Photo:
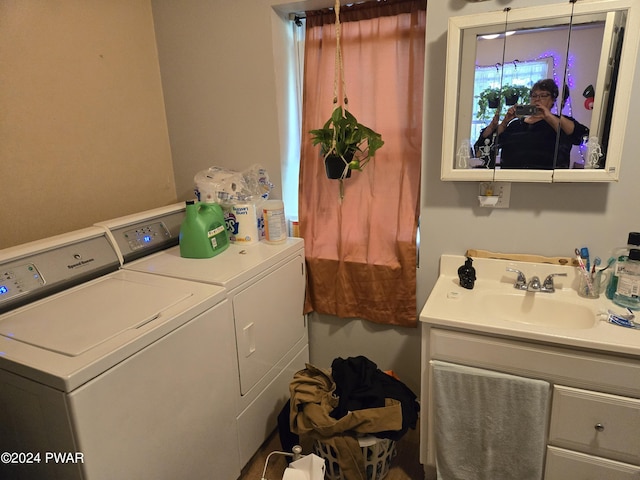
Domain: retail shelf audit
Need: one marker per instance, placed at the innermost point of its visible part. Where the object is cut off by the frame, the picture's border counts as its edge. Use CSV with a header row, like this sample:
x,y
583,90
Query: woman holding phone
x,y
529,140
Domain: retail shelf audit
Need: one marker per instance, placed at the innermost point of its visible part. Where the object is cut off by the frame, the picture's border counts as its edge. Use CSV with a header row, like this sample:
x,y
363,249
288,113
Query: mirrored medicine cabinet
x,y
589,49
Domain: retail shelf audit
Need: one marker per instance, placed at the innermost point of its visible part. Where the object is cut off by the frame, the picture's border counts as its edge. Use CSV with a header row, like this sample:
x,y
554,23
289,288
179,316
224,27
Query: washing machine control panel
x,y
147,236
19,280
46,268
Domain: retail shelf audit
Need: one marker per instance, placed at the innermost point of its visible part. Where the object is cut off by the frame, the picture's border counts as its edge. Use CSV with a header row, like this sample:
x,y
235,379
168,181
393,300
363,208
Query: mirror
x,y
588,50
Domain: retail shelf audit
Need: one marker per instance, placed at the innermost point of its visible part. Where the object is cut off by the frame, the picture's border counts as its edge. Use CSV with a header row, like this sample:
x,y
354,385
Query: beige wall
x,y
83,135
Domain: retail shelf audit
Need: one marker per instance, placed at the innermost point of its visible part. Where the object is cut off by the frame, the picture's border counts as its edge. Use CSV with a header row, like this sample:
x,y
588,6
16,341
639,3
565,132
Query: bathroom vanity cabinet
x,y
595,411
593,429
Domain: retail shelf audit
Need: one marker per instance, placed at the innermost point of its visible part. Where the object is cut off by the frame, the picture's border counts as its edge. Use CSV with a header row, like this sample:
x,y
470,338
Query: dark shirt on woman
x,y
532,145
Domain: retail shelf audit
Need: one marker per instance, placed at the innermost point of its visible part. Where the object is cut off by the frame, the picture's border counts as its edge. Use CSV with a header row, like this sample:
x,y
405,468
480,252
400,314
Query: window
x,y
291,167
513,73
360,234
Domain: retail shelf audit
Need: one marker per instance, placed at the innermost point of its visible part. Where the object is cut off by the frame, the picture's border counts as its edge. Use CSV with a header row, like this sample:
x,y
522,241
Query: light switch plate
x,y
500,189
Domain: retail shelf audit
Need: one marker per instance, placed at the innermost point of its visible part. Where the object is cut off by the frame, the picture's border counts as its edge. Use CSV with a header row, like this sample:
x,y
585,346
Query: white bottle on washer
x,y
275,228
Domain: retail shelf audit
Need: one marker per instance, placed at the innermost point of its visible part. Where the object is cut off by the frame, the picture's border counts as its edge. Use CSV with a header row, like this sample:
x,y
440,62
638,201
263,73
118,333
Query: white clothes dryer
x,y
265,286
108,373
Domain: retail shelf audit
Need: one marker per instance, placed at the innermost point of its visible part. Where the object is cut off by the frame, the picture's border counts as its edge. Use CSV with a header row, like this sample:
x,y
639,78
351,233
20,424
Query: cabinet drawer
x,y
563,366
564,465
596,423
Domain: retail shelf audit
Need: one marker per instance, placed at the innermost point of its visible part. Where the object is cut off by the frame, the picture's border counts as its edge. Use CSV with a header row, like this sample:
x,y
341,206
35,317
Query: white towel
x,y
489,425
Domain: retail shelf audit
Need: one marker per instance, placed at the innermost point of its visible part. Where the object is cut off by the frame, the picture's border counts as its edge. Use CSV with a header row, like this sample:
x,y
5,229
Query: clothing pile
x,y
353,398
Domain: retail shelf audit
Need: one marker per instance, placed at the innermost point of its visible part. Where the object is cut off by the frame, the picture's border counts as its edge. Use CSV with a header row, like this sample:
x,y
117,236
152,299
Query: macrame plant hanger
x,y
339,77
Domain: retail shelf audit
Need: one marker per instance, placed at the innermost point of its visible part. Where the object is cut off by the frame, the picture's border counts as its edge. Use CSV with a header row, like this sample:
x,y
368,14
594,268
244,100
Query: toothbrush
x,y
610,262
584,271
596,262
584,254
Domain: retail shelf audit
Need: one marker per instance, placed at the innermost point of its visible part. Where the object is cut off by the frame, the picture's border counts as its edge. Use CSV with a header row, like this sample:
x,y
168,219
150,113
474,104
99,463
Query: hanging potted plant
x,y
510,94
524,93
488,98
345,144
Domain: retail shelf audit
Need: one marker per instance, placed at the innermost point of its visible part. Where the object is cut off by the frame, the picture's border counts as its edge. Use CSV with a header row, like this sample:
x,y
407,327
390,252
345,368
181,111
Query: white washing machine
x,y
108,373
265,286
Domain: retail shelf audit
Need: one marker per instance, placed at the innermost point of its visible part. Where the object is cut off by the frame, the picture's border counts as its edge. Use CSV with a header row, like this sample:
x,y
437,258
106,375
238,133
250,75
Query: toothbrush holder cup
x,y
599,281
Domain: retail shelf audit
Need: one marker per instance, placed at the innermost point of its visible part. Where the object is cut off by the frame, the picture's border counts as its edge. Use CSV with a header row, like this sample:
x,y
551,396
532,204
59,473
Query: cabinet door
x,y
596,423
479,417
567,465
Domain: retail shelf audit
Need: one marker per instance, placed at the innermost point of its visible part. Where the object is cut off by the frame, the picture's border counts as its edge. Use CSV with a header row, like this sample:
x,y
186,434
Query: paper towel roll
x,y
293,474
242,223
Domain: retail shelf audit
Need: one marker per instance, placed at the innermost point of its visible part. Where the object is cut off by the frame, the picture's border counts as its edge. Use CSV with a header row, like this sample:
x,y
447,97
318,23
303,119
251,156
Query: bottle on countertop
x,y
203,233
627,292
467,274
275,228
620,254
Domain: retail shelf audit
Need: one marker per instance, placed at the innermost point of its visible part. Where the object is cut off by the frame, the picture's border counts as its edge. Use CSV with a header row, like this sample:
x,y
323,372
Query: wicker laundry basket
x,y
377,454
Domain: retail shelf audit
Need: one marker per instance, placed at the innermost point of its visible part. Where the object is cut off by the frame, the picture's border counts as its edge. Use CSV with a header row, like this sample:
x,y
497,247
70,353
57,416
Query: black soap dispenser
x,y
467,274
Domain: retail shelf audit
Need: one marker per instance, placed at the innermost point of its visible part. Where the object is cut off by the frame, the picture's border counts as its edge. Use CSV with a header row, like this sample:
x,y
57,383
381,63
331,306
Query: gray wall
x,y
548,219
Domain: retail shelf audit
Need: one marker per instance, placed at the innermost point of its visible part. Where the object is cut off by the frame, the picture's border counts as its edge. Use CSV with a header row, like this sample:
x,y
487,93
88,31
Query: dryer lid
x,y
233,267
84,317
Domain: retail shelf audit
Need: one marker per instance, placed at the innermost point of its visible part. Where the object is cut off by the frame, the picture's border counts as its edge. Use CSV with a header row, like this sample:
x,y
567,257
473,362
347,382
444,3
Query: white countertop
x,y
450,305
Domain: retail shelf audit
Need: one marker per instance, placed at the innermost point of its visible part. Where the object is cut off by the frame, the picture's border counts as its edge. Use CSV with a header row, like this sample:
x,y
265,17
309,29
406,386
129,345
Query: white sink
x,y
539,309
494,307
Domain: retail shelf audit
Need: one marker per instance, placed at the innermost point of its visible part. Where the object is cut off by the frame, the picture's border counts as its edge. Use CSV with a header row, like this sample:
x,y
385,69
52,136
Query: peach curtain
x,y
361,251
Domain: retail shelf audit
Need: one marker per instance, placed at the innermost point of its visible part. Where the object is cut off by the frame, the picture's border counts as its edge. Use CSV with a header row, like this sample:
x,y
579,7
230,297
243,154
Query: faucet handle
x,y
534,285
548,282
521,281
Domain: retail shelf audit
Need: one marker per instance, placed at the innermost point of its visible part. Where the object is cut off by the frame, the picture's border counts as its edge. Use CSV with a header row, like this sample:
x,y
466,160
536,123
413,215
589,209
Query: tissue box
x,y
309,467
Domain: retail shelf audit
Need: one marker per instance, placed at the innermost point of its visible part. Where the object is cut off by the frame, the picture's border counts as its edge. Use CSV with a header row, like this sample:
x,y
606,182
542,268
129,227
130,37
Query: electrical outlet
x,y
490,189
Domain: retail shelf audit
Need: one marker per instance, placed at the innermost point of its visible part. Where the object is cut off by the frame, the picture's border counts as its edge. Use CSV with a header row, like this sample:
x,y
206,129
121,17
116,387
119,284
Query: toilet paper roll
x,y
293,474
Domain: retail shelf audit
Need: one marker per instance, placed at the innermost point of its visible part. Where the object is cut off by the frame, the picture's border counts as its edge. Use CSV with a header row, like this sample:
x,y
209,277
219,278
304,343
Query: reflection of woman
x,y
530,142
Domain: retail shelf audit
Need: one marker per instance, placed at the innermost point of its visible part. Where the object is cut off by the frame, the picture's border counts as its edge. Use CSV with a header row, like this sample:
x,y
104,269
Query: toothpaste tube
x,y
621,321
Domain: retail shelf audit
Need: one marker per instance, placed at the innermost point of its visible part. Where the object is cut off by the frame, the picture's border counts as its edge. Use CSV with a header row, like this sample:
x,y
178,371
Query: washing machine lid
x,y
229,269
41,268
71,337
74,323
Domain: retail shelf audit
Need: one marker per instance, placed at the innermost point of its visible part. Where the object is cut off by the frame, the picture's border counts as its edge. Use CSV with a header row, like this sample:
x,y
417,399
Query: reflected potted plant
x,y
345,144
513,93
488,98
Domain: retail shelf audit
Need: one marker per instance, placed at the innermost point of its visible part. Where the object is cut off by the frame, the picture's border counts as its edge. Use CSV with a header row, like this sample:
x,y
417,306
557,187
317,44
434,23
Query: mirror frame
x,y
496,19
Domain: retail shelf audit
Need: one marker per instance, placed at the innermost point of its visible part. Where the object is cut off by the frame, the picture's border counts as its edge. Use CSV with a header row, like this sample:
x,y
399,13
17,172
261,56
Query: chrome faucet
x,y
534,285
